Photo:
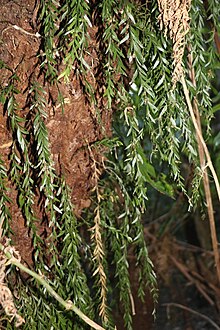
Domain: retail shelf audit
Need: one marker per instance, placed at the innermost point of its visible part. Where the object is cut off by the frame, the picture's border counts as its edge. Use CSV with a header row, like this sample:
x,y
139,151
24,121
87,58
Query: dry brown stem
x,y
203,152
198,132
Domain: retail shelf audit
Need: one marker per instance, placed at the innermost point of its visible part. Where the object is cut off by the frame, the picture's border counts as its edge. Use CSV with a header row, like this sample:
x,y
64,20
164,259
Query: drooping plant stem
x,y
68,305
204,153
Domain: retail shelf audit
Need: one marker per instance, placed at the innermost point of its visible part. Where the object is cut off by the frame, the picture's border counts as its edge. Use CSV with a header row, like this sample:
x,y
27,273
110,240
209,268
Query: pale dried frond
x,y
174,19
6,297
98,257
98,254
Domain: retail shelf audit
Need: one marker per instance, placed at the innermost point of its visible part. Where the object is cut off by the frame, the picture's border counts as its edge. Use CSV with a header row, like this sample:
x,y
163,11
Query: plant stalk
x,y
206,151
203,152
66,304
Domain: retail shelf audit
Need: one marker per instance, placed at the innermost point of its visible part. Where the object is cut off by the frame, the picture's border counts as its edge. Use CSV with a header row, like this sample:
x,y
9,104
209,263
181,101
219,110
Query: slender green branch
x,y
66,304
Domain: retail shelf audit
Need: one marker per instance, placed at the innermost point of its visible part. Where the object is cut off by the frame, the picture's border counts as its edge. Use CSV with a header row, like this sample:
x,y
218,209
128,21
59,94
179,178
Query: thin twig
x,y
193,312
18,28
67,304
133,312
190,247
198,285
208,283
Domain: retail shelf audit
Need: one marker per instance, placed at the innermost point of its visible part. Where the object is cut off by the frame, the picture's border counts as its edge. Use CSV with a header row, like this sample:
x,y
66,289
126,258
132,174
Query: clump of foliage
x,y
142,72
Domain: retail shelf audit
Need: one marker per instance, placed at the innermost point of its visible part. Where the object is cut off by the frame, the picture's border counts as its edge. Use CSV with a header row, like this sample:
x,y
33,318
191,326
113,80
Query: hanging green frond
x,y
5,215
49,18
69,269
20,163
73,37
